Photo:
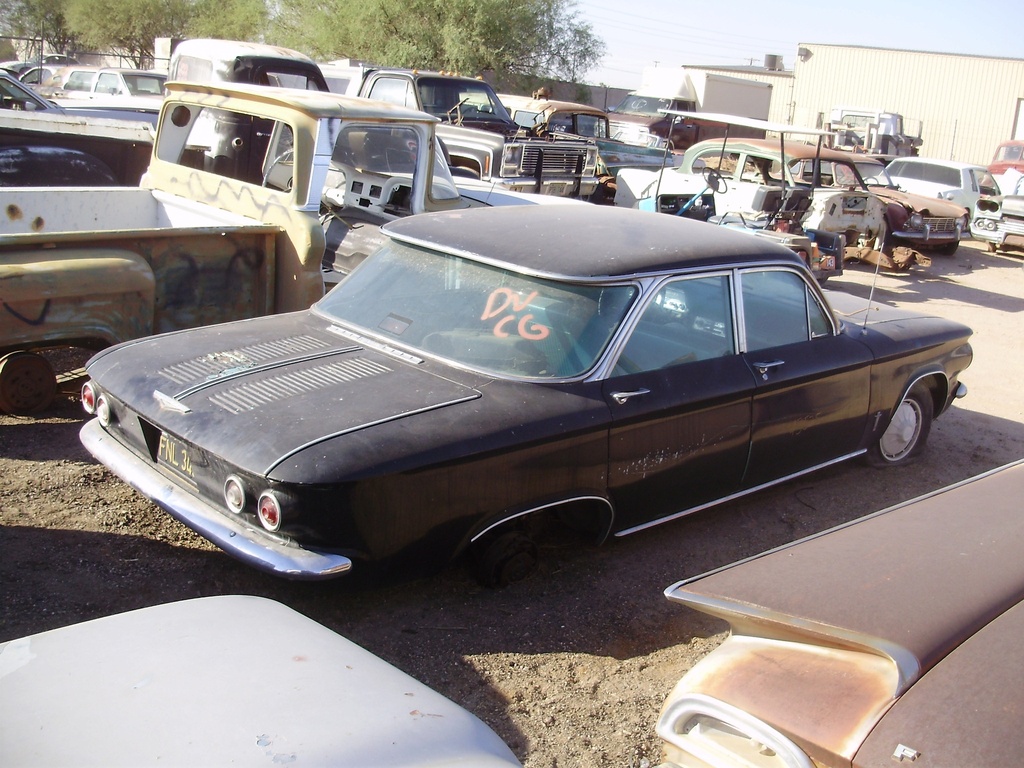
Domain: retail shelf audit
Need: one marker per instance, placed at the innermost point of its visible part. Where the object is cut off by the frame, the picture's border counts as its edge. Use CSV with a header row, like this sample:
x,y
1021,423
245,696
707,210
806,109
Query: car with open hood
x,y
490,371
891,640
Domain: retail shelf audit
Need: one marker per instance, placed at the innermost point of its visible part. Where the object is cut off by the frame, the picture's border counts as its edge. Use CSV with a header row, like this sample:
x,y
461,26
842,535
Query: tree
x,y
129,27
229,19
518,39
44,20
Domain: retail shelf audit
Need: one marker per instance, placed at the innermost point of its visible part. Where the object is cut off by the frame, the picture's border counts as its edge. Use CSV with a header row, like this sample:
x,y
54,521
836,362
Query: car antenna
x,y
871,295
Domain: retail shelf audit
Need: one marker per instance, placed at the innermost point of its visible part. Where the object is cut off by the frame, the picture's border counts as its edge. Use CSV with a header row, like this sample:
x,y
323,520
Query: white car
x,y
961,183
229,680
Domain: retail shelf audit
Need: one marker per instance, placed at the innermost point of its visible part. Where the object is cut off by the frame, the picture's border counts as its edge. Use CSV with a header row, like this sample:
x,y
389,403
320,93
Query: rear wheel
x,y
907,432
507,558
27,383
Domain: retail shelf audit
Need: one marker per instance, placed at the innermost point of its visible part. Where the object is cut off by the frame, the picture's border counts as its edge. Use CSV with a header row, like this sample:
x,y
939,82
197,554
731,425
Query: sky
x,y
672,33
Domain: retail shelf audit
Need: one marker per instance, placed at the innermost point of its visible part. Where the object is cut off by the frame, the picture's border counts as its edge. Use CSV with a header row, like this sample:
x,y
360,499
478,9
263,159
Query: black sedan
x,y
490,369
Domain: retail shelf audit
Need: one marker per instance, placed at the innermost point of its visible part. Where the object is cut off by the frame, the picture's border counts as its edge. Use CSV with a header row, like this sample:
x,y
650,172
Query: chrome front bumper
x,y
249,544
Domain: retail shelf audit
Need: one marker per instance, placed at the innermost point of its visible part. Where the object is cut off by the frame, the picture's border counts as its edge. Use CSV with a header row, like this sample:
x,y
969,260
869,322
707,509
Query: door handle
x,y
763,368
622,397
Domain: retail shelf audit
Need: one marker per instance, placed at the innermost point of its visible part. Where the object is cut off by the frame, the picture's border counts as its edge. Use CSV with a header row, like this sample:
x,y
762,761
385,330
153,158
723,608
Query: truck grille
x,y
554,159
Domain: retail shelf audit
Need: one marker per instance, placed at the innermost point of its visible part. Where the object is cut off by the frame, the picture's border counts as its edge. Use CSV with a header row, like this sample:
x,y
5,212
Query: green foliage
x,y
43,19
229,19
518,39
128,27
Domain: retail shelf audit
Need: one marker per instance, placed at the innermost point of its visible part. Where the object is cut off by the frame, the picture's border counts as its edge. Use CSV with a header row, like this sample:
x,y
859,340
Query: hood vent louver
x,y
216,363
248,395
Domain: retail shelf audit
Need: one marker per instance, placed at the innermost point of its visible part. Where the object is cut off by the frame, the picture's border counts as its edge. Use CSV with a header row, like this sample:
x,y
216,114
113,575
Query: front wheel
x,y
904,438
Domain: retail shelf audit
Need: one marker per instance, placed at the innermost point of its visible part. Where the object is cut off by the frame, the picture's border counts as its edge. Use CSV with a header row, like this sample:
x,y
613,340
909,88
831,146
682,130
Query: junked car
x,y
999,222
157,686
923,222
823,185
487,371
891,640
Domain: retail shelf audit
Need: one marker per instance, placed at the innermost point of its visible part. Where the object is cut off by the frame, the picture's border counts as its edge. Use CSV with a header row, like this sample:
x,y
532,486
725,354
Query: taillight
x,y
269,511
234,494
89,397
103,410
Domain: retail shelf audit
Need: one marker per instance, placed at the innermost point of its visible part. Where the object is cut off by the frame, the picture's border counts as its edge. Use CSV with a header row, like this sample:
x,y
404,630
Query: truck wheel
x,y
907,432
508,557
27,383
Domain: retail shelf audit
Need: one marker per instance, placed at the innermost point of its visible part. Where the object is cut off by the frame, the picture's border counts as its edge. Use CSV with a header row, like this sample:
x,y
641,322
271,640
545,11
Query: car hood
x,y
166,685
256,392
927,206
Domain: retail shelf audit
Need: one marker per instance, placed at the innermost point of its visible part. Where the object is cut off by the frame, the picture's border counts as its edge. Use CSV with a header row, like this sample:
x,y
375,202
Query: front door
x,y
680,399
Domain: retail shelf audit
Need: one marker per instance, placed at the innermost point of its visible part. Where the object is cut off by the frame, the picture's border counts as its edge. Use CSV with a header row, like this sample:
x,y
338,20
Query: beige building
x,y
962,106
966,105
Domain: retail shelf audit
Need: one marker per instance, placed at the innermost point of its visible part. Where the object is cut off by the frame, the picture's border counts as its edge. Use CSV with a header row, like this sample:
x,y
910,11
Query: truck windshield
x,y
642,105
443,96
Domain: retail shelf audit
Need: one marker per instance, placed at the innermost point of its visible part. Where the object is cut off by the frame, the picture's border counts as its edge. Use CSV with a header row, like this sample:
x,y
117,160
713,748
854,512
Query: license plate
x,y
174,454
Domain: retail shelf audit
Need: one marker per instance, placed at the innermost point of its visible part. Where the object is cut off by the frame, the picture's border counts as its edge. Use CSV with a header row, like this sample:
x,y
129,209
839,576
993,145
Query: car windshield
x,y
484,317
875,174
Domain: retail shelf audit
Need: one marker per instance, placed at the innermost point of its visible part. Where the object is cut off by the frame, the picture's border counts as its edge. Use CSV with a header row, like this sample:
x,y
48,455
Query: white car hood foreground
x,y
223,680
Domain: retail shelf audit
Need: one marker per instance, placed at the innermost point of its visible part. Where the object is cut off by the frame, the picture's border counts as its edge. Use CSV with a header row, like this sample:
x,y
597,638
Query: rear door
x,y
810,405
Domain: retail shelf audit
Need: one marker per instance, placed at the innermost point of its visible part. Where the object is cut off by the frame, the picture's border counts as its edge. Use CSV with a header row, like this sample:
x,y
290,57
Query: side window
x,y
779,308
393,90
686,321
107,83
227,143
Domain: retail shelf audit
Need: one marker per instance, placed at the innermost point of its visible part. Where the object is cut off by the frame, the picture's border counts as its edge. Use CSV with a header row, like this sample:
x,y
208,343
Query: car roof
x,y
932,161
586,242
316,103
798,150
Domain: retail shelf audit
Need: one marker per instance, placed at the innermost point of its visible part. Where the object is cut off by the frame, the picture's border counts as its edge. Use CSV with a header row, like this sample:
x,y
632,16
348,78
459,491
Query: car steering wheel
x,y
715,181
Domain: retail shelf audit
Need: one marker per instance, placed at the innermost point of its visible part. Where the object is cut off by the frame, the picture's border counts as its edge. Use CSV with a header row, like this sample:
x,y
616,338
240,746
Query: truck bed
x,y
71,214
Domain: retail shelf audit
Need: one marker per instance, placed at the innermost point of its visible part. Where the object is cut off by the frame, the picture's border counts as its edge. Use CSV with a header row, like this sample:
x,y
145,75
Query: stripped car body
x,y
822,186
893,639
490,364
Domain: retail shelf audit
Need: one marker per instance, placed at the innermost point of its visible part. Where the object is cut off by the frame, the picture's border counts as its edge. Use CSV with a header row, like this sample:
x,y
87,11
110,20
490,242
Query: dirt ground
x,y
570,666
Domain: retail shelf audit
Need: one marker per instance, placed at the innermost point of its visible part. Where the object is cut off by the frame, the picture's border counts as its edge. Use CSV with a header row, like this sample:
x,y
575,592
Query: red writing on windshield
x,y
505,300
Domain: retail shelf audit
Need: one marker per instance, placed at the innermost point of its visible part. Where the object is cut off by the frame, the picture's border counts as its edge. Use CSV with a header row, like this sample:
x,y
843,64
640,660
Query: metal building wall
x,y
966,104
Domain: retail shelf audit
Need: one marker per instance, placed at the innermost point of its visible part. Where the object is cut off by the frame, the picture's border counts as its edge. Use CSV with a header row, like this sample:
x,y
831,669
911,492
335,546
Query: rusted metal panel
x,y
49,296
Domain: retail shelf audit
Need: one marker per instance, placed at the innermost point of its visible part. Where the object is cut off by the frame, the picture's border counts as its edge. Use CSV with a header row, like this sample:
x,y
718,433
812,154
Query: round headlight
x,y
234,494
268,509
916,221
